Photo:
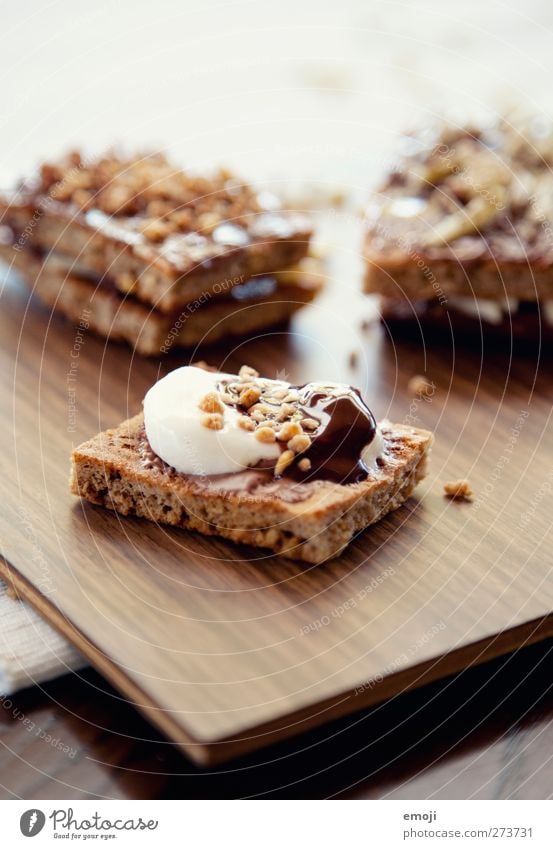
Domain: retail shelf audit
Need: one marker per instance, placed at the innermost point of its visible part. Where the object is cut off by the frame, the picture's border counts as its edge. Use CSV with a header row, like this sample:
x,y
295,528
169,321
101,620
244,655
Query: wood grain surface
x,y
226,649
486,733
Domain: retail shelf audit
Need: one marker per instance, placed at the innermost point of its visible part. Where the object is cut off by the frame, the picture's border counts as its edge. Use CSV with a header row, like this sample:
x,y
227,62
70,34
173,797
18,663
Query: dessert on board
x,y
158,256
296,469
460,233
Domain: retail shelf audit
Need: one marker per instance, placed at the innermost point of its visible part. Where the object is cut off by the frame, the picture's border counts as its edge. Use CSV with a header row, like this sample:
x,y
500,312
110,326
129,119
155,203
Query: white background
x,y
307,90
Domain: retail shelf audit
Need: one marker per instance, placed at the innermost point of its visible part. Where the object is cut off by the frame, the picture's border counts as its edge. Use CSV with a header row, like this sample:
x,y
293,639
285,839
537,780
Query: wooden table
x,y
486,734
227,651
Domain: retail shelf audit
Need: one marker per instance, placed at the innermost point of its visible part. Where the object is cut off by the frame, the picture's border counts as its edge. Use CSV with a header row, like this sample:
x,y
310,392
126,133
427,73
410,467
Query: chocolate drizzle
x,y
346,427
256,484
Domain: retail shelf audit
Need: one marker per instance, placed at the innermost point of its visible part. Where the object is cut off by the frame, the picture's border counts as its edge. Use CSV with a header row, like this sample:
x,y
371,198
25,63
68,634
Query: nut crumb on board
x,y
458,490
419,385
353,359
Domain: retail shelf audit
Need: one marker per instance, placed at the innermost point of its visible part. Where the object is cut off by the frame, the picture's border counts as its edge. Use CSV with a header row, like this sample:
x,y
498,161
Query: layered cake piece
x,y
155,253
461,232
295,469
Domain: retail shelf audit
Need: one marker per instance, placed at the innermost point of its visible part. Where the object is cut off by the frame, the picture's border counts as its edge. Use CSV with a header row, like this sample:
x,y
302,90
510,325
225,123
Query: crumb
x,y
353,359
458,490
419,385
366,324
304,464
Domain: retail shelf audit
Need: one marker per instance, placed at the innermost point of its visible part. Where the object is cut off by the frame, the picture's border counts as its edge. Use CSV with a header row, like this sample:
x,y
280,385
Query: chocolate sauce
x,y
256,484
346,426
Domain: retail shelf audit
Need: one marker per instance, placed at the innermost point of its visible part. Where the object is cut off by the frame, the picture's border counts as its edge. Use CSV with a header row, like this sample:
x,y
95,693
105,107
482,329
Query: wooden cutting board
x,y
224,648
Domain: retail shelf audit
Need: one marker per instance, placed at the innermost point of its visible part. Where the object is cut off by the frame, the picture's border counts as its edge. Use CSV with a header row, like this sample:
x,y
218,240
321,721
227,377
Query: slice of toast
x,y
247,308
311,521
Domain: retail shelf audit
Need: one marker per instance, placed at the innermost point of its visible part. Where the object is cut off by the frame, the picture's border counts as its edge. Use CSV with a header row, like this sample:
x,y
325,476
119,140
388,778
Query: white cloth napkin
x,y
30,650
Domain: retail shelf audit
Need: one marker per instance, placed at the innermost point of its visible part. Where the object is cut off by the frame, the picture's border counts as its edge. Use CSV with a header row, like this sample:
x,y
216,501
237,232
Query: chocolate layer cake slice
x,y
295,469
461,229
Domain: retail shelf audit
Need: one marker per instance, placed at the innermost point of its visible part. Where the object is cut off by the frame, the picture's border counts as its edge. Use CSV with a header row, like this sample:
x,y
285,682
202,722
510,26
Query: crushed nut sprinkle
x,y
265,434
249,396
257,415
246,423
286,459
483,189
213,421
291,398
156,230
261,409
271,411
300,443
165,198
286,411
247,373
289,430
211,403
